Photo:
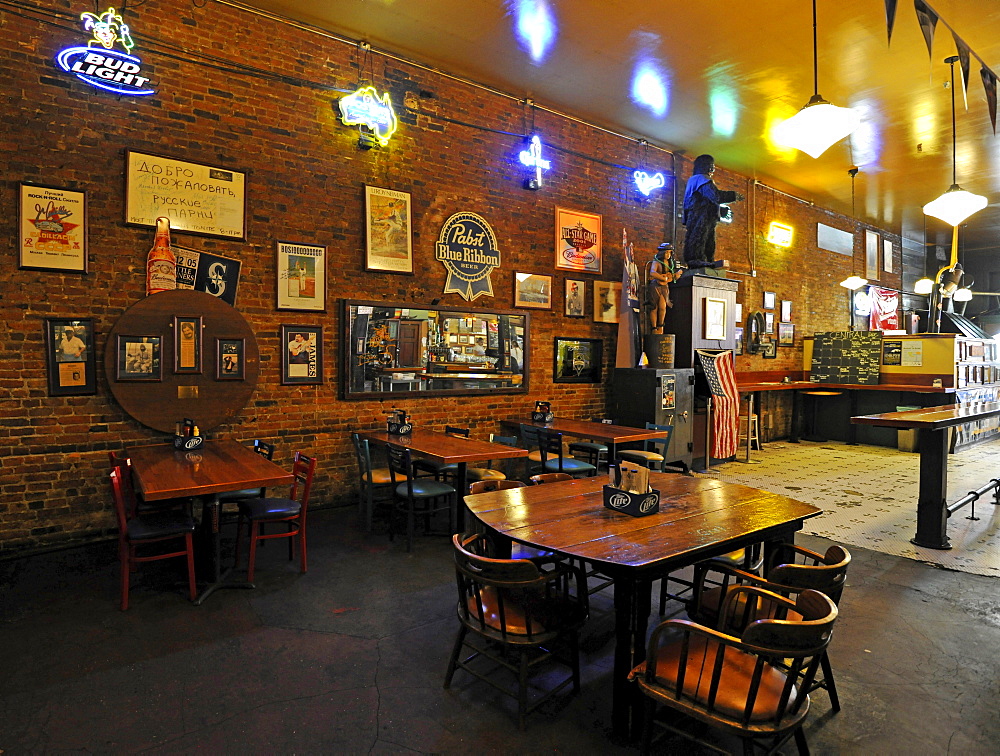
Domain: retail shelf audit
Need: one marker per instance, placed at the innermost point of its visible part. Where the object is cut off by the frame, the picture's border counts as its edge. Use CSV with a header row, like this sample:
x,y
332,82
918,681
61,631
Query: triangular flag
x,y
963,57
990,85
928,22
890,17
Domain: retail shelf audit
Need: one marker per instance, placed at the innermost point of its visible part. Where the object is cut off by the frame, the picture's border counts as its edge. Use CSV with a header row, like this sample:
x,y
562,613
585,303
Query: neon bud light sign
x,y
647,183
365,108
99,63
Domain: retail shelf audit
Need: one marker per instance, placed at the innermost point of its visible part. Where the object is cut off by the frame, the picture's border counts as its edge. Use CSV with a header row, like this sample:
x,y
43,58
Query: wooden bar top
x,y
614,434
809,385
441,447
932,418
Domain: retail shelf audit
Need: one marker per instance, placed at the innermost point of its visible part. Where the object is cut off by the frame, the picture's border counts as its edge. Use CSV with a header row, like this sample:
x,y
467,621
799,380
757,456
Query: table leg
x,y
211,515
852,429
932,511
632,606
793,435
462,488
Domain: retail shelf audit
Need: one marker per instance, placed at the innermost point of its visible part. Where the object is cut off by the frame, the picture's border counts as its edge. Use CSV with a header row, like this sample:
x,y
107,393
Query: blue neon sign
x,y
99,64
647,183
532,157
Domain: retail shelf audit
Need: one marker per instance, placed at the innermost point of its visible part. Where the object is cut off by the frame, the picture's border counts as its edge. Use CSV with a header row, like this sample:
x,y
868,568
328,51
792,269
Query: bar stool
x,y
754,432
813,434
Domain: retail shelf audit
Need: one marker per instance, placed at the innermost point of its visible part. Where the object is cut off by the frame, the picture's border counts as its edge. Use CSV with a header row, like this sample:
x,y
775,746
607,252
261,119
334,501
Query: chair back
x,y
651,444
400,467
529,436
541,478
303,469
550,444
123,465
505,440
363,455
118,497
263,448
485,486
805,637
827,575
452,430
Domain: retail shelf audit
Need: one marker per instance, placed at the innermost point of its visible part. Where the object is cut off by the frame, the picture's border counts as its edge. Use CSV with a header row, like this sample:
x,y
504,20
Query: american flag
x,y
720,372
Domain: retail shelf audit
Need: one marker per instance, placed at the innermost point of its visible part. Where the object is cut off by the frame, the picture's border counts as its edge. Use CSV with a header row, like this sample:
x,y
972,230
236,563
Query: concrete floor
x,y
350,658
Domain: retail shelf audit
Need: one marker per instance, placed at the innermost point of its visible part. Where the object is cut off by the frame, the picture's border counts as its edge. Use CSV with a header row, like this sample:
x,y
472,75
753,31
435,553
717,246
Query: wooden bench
x,y
932,424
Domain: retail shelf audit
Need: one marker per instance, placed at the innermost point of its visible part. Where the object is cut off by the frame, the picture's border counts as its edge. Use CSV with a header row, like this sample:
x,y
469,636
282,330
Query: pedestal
x,y
686,319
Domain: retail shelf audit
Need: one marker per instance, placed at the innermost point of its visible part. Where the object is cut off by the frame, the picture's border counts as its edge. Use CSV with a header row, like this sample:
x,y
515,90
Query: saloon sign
x,y
100,64
467,247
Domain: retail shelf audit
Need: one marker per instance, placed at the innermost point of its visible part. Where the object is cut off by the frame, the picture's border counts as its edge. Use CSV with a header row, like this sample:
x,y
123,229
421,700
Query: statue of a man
x,y
661,272
702,201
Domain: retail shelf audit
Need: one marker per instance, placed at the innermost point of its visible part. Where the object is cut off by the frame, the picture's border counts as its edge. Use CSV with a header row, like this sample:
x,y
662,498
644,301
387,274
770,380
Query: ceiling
x,y
730,73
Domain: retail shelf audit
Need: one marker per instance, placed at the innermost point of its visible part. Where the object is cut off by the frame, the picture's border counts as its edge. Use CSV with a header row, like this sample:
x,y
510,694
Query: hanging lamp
x,y
853,281
819,124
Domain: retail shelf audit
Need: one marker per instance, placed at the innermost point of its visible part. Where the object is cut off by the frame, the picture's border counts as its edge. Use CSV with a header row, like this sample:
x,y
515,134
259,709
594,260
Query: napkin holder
x,y
634,504
186,436
399,423
542,413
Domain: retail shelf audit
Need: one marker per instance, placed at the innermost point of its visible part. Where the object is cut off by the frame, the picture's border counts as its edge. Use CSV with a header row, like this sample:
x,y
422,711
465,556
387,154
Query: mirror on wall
x,y
394,348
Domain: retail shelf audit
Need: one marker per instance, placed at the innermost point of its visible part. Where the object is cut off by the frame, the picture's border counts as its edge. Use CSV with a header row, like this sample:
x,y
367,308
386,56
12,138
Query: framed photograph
x,y
576,297
768,322
607,295
786,310
301,277
786,334
871,255
53,229
69,356
715,318
389,231
187,344
463,338
532,290
578,241
738,334
577,360
219,194
769,349
139,358
769,300
470,350
301,354
229,357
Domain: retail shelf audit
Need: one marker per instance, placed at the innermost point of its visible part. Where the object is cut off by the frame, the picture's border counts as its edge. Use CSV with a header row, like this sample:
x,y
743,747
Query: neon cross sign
x,y
105,67
532,157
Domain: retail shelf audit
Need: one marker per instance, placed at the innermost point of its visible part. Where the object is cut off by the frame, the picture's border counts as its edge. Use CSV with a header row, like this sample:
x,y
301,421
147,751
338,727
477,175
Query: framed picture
x,y
577,360
769,349
576,294
470,350
786,334
769,299
607,295
219,194
301,354
578,241
301,277
715,318
139,358
52,225
69,356
229,357
532,290
463,338
768,322
187,344
786,310
211,273
738,335
389,231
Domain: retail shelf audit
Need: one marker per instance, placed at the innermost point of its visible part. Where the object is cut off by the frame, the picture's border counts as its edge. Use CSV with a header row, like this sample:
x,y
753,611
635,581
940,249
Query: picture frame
x,y
768,322
607,295
139,358
301,276
768,350
738,335
463,338
576,298
218,193
786,310
230,356
69,356
187,344
532,290
786,334
769,299
388,231
577,360
301,355
578,244
47,238
715,319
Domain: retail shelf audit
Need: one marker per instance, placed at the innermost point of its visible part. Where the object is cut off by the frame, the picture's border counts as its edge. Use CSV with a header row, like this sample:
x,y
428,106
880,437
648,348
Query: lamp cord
x,y
816,57
954,153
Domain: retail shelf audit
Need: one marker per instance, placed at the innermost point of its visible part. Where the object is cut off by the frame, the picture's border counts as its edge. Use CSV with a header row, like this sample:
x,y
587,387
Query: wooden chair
x,y
372,480
554,459
591,452
135,504
794,569
266,450
508,607
139,530
272,510
749,559
417,496
517,550
449,471
653,453
752,685
542,478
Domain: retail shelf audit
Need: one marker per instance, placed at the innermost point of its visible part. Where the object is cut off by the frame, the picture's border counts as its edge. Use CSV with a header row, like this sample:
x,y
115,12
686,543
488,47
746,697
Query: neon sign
x,y
365,108
106,67
532,157
647,183
780,234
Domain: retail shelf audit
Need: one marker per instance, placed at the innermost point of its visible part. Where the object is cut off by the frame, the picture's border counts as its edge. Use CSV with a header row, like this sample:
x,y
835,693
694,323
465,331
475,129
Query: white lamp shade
x,y
853,282
955,205
816,127
962,295
923,286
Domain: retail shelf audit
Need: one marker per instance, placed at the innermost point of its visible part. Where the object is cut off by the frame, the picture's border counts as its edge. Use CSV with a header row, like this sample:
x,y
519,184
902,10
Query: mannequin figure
x,y
662,271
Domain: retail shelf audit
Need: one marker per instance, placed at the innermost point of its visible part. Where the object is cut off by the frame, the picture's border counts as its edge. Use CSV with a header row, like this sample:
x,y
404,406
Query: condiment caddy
x,y
186,435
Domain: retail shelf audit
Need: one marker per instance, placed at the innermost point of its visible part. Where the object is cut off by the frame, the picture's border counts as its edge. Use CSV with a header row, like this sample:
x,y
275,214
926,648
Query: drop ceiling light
x,y
923,286
853,282
962,295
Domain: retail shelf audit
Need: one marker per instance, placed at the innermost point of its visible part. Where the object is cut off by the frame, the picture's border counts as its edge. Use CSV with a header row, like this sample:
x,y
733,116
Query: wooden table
x,y
699,518
161,472
612,435
932,424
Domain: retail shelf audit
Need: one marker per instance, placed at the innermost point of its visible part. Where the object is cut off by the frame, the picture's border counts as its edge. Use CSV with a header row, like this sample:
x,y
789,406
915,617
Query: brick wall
x,y
306,179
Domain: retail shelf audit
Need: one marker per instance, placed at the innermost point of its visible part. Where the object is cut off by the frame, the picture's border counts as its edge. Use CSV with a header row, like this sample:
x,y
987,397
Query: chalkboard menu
x,y
846,357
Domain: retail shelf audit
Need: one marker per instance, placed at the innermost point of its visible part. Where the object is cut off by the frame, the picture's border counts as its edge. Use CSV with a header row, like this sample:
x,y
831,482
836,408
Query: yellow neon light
x,y
780,234
108,28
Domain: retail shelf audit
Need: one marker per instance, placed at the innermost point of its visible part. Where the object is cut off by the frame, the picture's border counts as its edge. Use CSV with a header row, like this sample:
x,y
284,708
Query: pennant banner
x,y
990,85
720,372
928,22
890,17
963,58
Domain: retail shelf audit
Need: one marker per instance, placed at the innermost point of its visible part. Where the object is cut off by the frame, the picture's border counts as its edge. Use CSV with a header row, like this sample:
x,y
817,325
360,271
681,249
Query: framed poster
x,y
786,334
578,241
229,358
715,318
187,344
607,295
738,335
769,299
301,354
576,295
387,220
301,277
531,290
887,255
199,199
138,358
577,360
207,272
69,356
786,310
871,255
769,350
768,322
52,226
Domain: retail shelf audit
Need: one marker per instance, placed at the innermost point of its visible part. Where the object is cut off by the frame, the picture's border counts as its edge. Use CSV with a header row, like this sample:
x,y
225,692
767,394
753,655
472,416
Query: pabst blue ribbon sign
x,y
100,64
467,247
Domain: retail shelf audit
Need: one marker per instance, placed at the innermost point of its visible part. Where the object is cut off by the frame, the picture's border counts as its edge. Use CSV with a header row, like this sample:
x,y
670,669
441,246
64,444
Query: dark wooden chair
x,y
653,452
266,450
134,503
794,569
373,481
136,531
592,452
448,472
542,478
554,458
290,512
417,497
752,685
517,550
509,608
749,559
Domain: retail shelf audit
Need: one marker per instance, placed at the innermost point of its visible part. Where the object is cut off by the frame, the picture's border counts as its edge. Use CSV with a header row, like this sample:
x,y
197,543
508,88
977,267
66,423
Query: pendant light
x,y
956,204
819,124
853,281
